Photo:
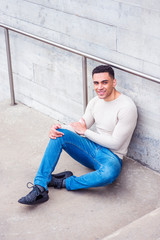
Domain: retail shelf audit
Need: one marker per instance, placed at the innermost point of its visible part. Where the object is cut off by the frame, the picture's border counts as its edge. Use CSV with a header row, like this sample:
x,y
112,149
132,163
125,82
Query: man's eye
x,y
105,83
95,83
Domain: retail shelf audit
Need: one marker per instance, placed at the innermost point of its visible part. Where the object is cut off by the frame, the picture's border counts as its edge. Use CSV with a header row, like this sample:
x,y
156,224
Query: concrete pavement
x,y
146,227
123,210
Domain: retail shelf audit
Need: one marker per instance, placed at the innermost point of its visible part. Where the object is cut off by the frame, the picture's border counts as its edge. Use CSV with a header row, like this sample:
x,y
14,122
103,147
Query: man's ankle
x,y
42,189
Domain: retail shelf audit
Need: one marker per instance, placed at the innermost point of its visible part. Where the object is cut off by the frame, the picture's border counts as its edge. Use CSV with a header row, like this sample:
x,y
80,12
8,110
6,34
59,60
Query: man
x,y
115,117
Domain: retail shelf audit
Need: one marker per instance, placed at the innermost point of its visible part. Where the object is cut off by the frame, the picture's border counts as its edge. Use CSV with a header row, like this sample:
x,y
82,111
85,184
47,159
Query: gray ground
x,y
127,209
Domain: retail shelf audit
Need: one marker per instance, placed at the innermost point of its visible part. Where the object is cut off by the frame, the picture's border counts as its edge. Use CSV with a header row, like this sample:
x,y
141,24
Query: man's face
x,y
104,85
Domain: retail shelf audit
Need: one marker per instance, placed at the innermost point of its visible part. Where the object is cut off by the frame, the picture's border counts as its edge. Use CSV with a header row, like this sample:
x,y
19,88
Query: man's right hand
x,y
53,133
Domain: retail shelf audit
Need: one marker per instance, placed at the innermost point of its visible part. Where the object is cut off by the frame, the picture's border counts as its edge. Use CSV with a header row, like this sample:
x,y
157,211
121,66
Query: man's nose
x,y
100,86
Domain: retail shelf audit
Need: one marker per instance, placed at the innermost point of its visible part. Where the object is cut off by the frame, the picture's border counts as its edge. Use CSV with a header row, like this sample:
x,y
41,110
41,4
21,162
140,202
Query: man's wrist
x,y
85,132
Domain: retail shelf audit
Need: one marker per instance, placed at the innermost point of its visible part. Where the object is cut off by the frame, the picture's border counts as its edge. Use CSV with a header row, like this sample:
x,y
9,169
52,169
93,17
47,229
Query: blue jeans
x,y
106,165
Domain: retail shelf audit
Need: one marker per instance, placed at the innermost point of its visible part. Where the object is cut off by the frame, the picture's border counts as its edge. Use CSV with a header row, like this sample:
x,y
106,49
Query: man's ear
x,y
114,82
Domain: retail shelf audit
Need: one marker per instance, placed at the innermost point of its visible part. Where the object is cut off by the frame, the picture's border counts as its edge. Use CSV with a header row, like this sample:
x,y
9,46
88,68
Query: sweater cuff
x,y
87,133
68,127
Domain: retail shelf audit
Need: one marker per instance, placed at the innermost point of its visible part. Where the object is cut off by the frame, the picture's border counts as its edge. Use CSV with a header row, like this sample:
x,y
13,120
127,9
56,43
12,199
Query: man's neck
x,y
114,95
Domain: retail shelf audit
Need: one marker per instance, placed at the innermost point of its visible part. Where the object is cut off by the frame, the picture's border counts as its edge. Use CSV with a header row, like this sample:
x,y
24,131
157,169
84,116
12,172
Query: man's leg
x,y
107,168
88,153
80,148
69,141
106,163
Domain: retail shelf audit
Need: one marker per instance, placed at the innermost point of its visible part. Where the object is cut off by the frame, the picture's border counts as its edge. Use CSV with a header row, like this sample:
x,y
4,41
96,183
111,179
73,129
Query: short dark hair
x,y
104,68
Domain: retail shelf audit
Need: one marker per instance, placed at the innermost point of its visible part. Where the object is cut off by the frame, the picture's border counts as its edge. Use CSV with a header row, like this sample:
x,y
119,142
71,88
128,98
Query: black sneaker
x,y
35,196
57,179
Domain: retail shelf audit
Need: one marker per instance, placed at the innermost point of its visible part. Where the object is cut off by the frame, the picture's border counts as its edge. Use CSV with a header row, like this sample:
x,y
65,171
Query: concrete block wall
x,y
49,79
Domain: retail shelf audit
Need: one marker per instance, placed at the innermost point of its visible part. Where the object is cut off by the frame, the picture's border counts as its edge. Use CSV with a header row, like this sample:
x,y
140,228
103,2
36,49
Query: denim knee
x,y
108,175
67,133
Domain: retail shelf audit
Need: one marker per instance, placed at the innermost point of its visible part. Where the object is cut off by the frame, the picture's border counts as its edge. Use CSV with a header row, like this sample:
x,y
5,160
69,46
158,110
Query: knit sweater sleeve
x,y
126,123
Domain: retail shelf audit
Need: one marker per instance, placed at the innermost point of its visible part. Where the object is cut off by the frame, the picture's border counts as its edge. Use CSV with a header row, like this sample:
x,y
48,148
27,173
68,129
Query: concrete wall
x,y
48,79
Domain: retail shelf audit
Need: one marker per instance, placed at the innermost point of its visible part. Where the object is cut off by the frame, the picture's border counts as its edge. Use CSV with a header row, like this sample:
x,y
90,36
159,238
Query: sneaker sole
x,y
42,200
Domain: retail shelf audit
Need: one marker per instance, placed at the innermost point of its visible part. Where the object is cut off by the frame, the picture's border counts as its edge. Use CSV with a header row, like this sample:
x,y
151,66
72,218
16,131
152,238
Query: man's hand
x,y
79,127
53,133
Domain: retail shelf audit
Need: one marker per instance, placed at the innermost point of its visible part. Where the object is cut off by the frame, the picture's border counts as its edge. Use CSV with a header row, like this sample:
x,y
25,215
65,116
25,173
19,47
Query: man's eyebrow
x,y
105,80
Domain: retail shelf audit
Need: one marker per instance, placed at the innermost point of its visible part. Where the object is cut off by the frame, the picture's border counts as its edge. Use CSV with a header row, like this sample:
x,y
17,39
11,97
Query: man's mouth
x,y
101,92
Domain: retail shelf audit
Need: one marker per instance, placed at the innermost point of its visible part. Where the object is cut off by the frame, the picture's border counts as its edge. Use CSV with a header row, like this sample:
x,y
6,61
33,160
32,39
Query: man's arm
x,y
124,128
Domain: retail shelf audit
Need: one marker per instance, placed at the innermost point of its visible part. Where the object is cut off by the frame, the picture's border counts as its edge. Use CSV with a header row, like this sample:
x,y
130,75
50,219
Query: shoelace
x,y
30,186
35,188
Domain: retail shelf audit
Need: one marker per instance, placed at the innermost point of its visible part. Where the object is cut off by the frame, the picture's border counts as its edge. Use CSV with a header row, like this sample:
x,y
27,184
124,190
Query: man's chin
x,y
101,96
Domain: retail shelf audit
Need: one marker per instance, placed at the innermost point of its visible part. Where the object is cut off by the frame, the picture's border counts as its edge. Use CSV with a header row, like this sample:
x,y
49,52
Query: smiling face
x,y
104,85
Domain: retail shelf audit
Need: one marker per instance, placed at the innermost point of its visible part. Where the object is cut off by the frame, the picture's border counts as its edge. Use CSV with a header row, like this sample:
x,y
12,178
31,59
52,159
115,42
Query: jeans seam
x,y
52,169
86,152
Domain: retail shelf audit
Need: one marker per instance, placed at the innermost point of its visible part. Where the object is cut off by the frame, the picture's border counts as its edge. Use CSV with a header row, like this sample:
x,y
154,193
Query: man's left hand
x,y
79,127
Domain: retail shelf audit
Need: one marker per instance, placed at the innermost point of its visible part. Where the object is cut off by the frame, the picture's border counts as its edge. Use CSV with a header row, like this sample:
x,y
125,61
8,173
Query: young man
x,y
115,117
